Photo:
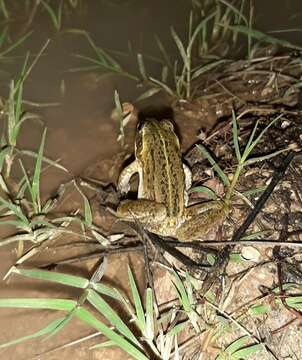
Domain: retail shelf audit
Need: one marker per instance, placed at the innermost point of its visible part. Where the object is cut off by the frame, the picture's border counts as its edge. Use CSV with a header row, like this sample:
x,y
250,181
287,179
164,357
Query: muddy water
x,y
80,129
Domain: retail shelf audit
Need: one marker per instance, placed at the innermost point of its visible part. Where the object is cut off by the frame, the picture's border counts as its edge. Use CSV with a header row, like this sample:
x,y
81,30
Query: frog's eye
x,y
167,124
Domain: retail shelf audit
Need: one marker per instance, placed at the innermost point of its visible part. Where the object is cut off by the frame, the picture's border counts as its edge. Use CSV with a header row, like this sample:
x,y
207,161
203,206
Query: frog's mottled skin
x,y
163,184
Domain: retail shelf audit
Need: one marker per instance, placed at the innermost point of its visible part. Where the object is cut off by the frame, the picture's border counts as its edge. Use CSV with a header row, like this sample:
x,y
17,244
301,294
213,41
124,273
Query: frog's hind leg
x,y
200,219
143,210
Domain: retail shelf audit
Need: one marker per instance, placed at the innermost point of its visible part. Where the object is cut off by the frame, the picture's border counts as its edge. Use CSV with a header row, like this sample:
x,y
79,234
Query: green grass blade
x,y
256,141
140,314
178,328
87,208
235,136
141,66
60,278
247,351
50,304
148,93
235,11
46,330
16,210
264,157
260,36
3,153
237,344
249,143
53,16
16,223
15,44
214,164
149,315
87,317
198,28
45,159
106,290
204,68
26,178
162,85
203,189
37,173
61,324
107,311
182,293
181,48
164,52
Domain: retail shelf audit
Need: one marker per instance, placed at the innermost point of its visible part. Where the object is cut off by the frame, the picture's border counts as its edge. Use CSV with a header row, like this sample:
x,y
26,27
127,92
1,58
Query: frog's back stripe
x,y
171,161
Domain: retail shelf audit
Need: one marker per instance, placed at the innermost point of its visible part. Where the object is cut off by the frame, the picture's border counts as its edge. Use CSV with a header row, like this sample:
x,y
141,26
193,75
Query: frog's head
x,y
151,131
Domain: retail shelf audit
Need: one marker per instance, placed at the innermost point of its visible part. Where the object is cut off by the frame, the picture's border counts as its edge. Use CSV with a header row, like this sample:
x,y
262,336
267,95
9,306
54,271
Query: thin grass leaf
x,y
45,159
237,344
16,210
16,223
114,319
60,278
3,35
178,328
15,44
199,27
260,36
182,293
256,141
294,301
256,235
264,157
35,187
203,189
164,74
261,309
88,318
254,191
50,304
106,290
87,212
27,184
103,345
61,324
162,85
250,140
149,333
235,136
41,222
149,93
3,153
55,18
46,330
204,68
214,164
247,351
140,314
239,13
141,66
163,51
4,9
181,48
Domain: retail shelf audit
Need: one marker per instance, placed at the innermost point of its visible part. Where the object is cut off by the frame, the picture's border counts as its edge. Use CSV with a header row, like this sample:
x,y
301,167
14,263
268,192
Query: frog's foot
x,y
199,219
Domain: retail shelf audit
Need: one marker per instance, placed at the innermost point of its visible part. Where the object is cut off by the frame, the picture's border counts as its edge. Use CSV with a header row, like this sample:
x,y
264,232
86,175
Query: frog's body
x,y
163,184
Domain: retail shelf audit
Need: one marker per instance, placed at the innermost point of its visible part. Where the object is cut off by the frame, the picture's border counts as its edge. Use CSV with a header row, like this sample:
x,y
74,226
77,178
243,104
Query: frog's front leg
x,y
200,219
145,211
123,184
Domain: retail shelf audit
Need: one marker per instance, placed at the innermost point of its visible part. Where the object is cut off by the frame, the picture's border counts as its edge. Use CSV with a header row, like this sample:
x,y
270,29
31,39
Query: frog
x,y
164,182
